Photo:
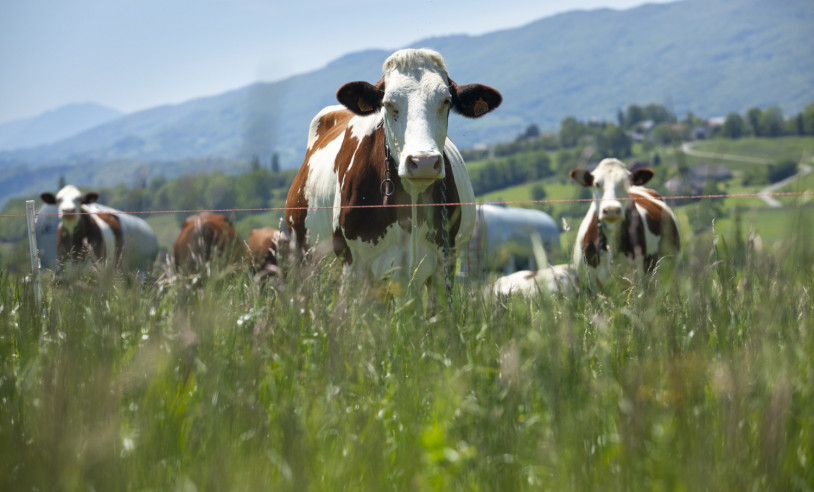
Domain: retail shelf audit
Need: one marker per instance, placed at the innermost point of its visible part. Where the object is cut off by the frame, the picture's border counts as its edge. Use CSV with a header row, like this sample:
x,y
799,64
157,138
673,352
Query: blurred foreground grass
x,y
699,379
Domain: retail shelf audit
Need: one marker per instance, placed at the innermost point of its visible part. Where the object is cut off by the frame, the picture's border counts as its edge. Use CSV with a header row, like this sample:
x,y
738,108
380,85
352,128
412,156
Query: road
x,y
764,194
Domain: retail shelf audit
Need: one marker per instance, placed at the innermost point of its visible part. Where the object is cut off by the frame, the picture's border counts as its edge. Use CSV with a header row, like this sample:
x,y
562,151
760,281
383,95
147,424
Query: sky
x,y
136,54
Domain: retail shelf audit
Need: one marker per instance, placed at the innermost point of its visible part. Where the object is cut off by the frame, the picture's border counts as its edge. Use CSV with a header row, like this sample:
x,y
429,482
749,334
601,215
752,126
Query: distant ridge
x,y
705,56
52,126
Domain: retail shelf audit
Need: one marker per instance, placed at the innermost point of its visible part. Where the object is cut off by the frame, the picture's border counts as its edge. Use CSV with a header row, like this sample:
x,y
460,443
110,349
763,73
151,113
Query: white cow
x,y
91,232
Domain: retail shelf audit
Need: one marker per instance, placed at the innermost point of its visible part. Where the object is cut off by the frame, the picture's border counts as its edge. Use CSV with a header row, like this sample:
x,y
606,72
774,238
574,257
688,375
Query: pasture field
x,y
699,378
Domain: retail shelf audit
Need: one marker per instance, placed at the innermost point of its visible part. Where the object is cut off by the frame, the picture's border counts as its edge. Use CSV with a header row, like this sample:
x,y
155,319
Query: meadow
x,y
700,377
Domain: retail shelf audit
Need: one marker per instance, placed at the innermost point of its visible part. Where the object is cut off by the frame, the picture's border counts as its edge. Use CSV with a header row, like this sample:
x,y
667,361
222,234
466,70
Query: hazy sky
x,y
135,54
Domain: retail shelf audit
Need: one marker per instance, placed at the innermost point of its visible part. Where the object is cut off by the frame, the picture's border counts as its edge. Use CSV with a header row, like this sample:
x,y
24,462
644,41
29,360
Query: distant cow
x,y
91,232
643,229
387,145
263,246
206,238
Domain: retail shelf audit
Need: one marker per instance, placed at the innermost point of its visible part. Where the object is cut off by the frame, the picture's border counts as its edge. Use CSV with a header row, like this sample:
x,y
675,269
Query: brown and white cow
x,y
396,130
90,232
642,229
263,246
207,238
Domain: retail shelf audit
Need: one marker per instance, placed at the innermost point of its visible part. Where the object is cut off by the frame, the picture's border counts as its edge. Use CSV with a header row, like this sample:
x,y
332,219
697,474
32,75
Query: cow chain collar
x,y
387,186
445,241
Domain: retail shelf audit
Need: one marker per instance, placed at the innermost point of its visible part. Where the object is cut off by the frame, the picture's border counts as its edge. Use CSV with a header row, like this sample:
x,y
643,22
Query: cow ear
x,y
49,198
582,177
641,176
361,97
473,100
90,197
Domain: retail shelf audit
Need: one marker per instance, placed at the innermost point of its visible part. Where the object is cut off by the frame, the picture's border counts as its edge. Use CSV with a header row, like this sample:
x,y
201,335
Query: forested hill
x,y
705,56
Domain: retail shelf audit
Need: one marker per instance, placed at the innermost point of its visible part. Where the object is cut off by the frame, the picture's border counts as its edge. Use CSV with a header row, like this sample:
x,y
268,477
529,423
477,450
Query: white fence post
x,y
35,258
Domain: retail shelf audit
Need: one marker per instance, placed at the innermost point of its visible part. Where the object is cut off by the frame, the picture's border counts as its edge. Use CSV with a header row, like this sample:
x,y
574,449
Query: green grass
x,y
702,379
772,149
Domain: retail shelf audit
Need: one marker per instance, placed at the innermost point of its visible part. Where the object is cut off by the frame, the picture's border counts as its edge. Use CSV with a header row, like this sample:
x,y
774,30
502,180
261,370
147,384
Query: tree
x,y
634,115
570,131
532,131
664,134
275,163
771,122
753,118
734,126
614,142
808,119
538,192
782,170
658,114
255,163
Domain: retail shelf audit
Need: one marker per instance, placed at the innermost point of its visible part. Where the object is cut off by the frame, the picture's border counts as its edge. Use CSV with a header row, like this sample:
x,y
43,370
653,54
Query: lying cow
x,y
89,232
207,238
643,229
554,278
387,145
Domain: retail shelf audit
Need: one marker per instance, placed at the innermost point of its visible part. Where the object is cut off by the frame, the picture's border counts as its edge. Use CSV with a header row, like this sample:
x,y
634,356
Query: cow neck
x,y
390,165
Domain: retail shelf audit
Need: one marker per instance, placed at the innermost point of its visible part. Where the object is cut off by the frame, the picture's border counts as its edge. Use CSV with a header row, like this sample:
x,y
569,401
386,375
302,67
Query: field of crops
x,y
699,378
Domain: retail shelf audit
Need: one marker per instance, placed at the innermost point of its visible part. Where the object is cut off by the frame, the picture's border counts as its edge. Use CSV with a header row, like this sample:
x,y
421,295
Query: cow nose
x,y
611,212
424,166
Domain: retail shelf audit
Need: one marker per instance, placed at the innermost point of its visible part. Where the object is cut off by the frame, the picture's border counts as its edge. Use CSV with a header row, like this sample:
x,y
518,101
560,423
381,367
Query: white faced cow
x,y
91,232
387,145
642,229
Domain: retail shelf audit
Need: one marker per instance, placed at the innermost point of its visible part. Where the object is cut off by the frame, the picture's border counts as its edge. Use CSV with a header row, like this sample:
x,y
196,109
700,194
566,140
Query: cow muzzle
x,y
611,212
421,170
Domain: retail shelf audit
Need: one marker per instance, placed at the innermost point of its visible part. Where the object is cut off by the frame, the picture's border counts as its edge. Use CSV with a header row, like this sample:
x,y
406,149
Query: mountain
x,y
54,125
705,56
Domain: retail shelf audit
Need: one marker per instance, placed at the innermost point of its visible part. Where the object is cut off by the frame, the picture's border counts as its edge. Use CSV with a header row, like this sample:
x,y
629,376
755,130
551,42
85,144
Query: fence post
x,y
35,258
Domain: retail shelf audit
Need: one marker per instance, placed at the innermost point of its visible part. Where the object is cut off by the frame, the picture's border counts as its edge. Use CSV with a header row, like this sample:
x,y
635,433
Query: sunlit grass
x,y
702,379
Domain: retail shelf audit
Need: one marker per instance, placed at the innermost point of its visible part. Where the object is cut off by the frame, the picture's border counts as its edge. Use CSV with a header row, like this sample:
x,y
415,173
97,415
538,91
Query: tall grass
x,y
701,378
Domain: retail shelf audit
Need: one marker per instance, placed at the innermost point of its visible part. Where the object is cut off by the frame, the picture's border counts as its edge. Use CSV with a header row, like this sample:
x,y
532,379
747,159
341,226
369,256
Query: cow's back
x,y
139,244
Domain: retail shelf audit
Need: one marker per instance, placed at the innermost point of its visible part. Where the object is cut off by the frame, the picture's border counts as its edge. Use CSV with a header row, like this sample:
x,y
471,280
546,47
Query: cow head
x,y
69,200
610,181
415,96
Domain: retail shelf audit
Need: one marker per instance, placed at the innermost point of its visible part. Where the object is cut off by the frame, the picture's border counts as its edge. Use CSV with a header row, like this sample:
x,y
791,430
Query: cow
x,y
547,278
643,230
265,245
387,145
89,232
207,238
555,278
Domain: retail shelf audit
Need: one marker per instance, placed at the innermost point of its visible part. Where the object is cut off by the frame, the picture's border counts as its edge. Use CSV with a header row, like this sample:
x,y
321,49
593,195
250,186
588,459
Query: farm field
x,y
698,379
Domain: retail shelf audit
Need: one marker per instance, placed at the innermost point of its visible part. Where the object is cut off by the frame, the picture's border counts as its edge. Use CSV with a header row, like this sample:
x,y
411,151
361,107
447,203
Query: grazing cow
x,y
206,238
642,230
264,247
387,145
263,244
91,232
